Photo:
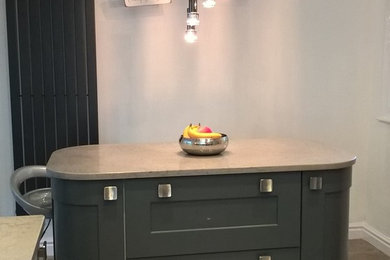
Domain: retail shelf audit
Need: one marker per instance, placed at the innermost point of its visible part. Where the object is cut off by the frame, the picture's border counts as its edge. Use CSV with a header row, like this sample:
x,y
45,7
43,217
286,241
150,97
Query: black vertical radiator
x,y
52,66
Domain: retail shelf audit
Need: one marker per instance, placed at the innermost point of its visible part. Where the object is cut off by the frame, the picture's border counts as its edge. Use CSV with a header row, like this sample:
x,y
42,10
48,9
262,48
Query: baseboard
x,y
362,230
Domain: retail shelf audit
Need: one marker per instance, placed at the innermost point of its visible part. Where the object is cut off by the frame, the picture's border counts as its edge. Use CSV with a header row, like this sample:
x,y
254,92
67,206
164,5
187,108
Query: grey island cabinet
x,y
262,199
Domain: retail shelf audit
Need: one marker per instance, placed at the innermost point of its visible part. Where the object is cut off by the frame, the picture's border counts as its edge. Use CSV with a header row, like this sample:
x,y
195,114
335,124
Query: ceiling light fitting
x,y
192,13
193,19
208,3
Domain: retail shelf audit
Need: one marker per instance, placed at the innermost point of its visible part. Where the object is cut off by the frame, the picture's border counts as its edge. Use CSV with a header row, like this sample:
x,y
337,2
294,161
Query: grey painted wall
x,y
298,68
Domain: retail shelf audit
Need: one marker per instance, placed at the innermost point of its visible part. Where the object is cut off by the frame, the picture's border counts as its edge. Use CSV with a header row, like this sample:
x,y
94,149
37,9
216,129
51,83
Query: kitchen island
x,y
261,199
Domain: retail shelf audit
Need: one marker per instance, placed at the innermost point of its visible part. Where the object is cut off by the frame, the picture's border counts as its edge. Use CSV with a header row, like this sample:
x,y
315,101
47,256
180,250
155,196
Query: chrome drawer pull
x,y
315,183
266,185
265,257
110,193
164,191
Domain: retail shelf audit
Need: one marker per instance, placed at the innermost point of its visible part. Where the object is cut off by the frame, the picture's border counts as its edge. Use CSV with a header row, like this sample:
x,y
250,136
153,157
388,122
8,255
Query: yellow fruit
x,y
185,132
193,133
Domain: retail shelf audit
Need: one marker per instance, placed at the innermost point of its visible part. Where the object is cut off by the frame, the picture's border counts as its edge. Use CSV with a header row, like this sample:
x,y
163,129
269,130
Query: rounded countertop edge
x,y
197,172
159,160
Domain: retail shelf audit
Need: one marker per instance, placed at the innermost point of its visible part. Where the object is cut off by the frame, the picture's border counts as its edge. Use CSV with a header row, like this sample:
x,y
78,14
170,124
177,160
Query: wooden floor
x,y
362,250
358,250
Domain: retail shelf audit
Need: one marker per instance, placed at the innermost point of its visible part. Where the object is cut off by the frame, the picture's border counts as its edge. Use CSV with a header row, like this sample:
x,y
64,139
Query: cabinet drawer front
x,y
211,214
275,254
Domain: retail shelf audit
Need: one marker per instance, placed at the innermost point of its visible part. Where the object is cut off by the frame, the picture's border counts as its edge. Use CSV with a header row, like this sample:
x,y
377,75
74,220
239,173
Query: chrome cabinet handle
x,y
315,183
266,185
110,193
265,257
164,191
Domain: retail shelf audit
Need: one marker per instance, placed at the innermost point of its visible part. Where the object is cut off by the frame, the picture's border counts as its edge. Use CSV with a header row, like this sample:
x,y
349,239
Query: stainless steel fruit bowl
x,y
204,146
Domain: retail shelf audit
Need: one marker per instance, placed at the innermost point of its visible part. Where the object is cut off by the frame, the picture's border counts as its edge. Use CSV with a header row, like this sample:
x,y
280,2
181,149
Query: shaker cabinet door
x,y
325,207
205,214
87,225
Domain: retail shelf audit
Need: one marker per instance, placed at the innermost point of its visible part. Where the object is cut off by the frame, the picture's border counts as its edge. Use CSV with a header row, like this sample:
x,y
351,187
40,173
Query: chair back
x,y
35,202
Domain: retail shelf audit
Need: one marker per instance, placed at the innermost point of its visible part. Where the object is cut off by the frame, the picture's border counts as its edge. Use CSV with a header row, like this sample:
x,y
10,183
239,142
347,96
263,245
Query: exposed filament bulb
x,y
190,35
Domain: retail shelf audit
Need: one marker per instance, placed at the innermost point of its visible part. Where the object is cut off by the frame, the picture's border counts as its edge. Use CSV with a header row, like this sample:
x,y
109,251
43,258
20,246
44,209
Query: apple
x,y
204,129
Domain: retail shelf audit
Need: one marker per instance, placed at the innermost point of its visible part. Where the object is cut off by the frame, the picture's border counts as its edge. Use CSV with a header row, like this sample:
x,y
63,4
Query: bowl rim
x,y
222,136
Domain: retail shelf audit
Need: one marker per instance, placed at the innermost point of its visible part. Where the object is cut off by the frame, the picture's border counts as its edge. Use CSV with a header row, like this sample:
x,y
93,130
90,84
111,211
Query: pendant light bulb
x,y
209,3
193,19
191,35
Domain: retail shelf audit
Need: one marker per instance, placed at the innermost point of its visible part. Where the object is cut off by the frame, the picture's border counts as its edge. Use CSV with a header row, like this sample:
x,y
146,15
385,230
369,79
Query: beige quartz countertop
x,y
123,161
19,237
